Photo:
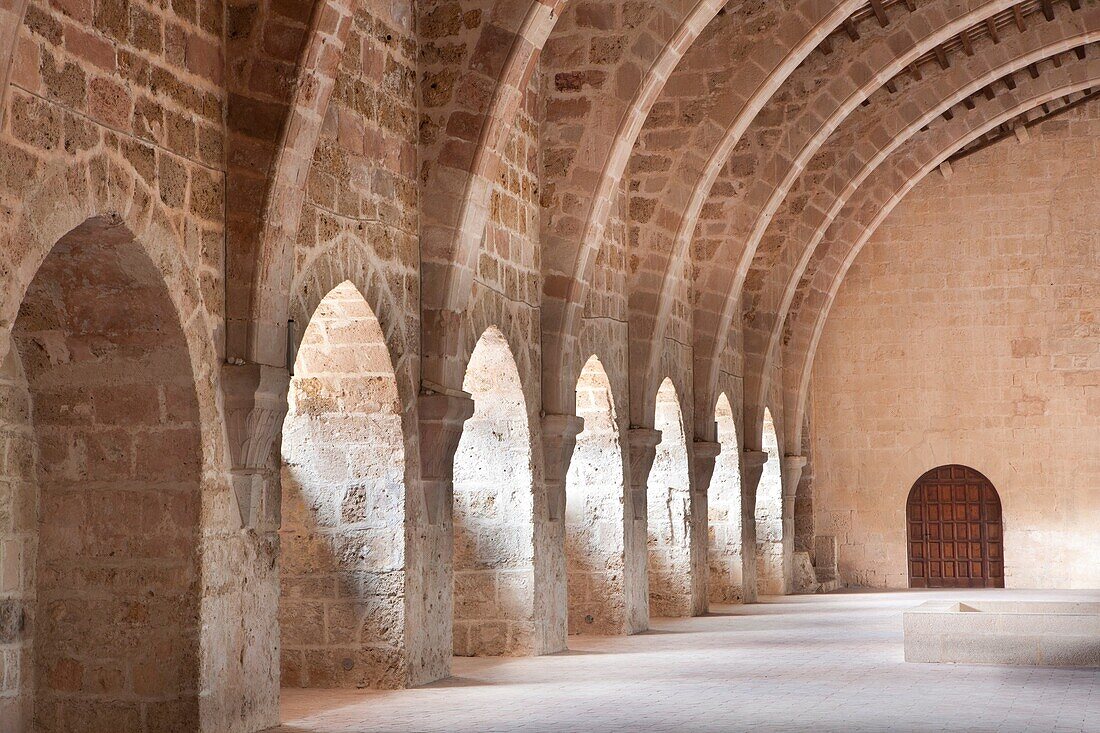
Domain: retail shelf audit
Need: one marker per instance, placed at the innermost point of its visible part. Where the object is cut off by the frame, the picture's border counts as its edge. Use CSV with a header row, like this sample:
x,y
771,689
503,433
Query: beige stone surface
x,y
965,333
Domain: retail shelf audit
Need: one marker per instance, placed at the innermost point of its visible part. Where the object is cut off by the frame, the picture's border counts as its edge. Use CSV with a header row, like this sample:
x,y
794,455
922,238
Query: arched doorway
x,y
341,607
494,510
724,512
954,530
100,417
769,517
594,520
668,504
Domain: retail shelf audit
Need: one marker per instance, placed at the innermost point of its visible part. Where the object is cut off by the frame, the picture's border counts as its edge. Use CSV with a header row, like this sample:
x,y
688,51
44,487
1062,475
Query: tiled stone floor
x,y
809,663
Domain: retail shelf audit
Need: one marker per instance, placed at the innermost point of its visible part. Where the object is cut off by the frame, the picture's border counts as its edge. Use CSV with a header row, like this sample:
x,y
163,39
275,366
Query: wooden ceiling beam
x,y
880,13
853,32
1019,18
991,25
941,56
968,48
1048,9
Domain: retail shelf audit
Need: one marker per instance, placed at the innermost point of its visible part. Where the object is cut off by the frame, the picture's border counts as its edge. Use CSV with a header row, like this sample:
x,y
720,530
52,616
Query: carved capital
x,y
643,449
703,455
559,440
752,468
255,402
440,421
792,473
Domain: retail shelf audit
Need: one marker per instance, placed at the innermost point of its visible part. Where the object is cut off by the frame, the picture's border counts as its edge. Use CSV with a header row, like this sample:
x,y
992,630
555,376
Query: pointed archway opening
x,y
669,512
769,517
100,416
342,582
595,529
494,510
724,512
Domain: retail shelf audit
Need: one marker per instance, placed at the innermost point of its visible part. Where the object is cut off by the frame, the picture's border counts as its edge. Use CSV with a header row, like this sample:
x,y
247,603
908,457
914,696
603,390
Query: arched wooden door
x,y
955,535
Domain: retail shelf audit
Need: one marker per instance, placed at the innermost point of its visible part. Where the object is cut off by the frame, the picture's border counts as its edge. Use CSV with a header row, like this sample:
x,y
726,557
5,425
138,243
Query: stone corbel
x,y
559,440
643,449
441,418
255,401
752,467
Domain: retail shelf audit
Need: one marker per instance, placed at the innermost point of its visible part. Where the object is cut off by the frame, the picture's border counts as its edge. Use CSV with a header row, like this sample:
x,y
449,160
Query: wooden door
x,y
955,533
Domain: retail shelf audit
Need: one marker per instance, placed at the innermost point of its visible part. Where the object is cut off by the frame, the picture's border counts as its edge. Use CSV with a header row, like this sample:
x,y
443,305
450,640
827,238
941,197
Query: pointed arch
x,y
595,522
494,510
105,428
769,515
343,505
668,498
724,511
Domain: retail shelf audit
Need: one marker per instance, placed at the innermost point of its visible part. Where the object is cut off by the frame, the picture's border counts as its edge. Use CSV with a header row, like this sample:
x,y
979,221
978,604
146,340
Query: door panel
x,y
955,538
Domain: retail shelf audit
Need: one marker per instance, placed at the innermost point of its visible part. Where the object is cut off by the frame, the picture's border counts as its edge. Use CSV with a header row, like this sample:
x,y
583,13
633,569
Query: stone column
x,y
429,583
440,421
643,450
642,446
792,473
703,456
752,468
559,440
255,402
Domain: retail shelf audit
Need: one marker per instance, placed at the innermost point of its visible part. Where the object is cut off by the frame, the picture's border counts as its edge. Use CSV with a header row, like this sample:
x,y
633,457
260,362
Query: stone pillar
x,y
643,449
703,456
430,583
440,421
752,468
559,440
642,445
792,473
255,402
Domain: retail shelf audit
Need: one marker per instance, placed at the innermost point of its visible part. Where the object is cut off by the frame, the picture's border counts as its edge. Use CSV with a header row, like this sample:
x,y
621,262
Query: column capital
x,y
254,397
563,426
706,449
559,440
642,438
441,417
754,458
793,462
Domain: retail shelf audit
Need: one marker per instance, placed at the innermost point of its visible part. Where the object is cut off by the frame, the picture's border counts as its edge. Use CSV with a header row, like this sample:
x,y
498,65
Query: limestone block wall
x,y
669,509
725,577
966,333
594,513
18,544
343,578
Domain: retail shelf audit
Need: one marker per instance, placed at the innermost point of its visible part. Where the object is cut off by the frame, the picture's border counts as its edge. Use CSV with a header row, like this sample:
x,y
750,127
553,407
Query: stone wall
x,y
966,333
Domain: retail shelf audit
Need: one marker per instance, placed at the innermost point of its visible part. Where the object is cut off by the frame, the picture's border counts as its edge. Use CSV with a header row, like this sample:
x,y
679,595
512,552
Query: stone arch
x,y
343,505
724,551
493,514
668,503
595,526
107,421
769,515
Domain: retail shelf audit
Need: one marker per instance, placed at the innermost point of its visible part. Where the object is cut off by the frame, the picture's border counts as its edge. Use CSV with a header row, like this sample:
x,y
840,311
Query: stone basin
x,y
1040,633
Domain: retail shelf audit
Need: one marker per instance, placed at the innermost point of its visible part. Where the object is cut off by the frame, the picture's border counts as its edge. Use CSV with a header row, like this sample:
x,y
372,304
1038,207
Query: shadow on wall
x,y
343,505
669,512
769,517
594,512
494,510
724,510
100,417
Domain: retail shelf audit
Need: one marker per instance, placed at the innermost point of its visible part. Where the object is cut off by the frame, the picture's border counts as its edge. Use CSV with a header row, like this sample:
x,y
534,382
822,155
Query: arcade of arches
x,y
341,340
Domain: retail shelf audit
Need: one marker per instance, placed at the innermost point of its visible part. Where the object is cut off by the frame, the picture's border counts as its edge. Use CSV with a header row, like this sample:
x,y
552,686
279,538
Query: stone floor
x,y
809,663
